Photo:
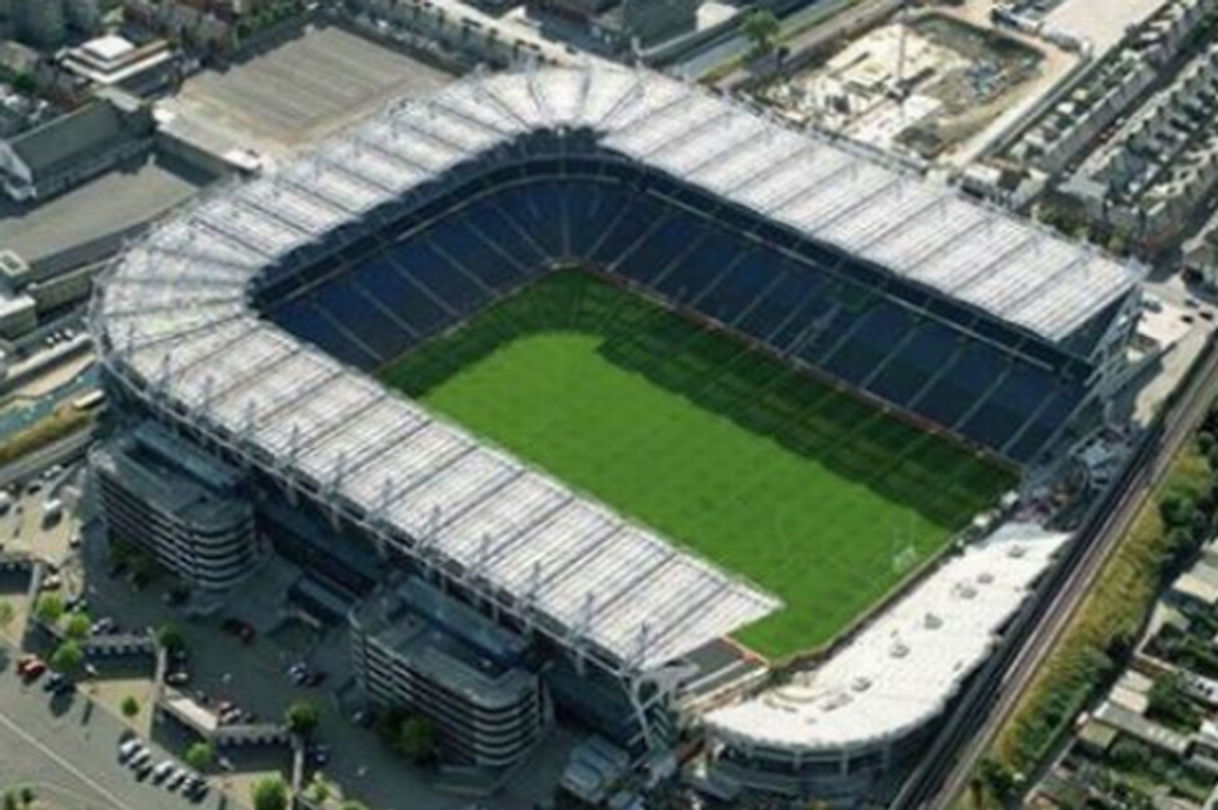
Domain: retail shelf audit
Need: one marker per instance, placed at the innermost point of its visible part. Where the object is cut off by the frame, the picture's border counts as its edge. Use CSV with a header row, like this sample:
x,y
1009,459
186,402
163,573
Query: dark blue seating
x,y
423,267
301,318
961,385
929,350
455,254
517,245
637,214
654,253
738,285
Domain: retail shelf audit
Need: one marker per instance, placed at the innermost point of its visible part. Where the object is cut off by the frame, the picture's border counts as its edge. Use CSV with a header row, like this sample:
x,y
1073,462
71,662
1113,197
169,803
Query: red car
x,y
31,669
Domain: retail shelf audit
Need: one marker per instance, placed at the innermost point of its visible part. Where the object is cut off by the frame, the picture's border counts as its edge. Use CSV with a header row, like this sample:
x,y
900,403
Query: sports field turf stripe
x,y
814,495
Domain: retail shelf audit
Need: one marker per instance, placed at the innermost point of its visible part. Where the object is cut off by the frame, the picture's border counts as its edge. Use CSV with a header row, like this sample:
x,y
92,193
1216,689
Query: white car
x,y
129,749
162,771
140,756
176,779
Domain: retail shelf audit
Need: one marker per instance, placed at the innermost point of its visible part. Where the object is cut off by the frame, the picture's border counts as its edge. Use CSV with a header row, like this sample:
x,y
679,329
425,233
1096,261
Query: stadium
x,y
666,371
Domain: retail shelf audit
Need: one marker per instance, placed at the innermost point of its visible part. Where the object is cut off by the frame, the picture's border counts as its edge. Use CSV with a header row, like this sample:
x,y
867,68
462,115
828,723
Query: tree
x,y
201,756
67,657
49,609
1177,509
318,791
1169,703
761,28
417,740
170,637
76,625
270,794
27,796
302,717
998,778
130,707
25,83
6,615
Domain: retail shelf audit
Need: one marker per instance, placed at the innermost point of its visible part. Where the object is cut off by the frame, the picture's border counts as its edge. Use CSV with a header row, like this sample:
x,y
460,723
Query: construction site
x,y
921,84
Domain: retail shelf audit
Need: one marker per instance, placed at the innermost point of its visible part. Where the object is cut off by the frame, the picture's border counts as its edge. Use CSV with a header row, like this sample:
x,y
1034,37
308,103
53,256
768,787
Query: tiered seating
x,y
590,209
1065,398
738,284
468,251
426,270
1013,404
300,317
473,257
925,355
516,245
637,213
645,260
871,339
961,384
538,210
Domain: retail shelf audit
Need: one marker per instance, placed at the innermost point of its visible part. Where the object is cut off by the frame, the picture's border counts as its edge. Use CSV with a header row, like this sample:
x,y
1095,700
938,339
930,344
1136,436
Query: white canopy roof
x,y
175,315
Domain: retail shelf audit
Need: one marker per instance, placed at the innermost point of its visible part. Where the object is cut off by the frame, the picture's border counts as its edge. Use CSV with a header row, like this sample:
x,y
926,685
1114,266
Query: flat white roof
x,y
902,670
108,48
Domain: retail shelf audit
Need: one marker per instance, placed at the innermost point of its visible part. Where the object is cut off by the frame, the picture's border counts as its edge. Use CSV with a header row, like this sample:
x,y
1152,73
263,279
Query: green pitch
x,y
818,498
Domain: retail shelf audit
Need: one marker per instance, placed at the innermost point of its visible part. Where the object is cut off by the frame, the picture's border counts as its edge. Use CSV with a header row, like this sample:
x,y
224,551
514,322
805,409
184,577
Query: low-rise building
x,y
113,61
72,148
418,649
187,509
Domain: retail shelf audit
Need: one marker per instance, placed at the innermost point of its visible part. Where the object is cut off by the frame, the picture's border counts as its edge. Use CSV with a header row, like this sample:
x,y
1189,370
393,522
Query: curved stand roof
x,y
174,319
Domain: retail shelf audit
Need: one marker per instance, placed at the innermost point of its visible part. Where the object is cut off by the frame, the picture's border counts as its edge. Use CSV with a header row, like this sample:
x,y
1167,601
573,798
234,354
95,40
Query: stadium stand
x,y
250,321
799,298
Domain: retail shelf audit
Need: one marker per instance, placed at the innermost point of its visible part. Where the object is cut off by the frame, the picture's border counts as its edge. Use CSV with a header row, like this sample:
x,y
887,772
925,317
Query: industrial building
x,y
72,148
251,323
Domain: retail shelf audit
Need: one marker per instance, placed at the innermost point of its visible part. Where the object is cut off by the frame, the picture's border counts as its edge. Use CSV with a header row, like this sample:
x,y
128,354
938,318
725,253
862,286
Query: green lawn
x,y
821,499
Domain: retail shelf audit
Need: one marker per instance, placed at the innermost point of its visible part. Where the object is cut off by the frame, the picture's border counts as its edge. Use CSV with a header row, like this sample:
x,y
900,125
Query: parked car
x,y
129,748
162,771
31,669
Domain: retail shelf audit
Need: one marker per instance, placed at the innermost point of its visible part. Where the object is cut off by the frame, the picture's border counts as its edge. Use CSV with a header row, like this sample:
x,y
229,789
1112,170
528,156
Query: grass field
x,y
818,498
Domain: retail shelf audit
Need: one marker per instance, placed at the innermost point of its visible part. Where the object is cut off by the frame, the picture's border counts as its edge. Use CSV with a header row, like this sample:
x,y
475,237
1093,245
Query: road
x,y
32,464
66,751
952,759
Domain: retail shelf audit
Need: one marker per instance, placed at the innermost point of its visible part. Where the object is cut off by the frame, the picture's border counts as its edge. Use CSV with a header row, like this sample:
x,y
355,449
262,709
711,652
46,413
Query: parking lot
x,y
38,518
260,673
303,89
66,751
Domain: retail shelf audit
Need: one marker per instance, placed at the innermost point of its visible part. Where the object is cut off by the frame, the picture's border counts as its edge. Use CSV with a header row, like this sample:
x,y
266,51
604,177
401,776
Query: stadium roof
x,y
175,315
902,670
